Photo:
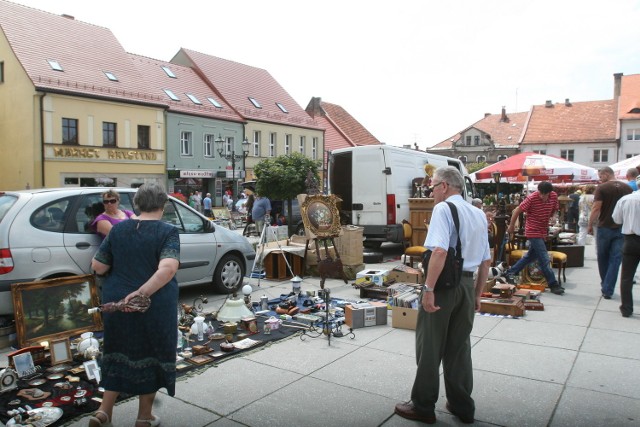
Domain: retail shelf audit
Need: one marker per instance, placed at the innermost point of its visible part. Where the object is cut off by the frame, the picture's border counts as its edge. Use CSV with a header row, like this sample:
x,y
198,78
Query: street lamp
x,y
233,156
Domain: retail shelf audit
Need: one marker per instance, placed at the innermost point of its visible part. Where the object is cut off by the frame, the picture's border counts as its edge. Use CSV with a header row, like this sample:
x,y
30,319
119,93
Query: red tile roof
x,y
84,51
186,81
237,82
591,121
503,133
345,124
629,97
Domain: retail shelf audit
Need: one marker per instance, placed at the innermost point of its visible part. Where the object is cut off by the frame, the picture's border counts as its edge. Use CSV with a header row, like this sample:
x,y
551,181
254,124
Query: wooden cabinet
x,y
420,212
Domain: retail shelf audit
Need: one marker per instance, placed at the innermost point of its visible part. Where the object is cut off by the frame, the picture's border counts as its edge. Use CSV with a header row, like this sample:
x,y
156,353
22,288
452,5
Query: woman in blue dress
x,y
141,257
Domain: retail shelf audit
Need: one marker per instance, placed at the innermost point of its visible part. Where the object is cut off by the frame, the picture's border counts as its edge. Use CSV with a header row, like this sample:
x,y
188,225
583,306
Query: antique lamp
x,y
233,310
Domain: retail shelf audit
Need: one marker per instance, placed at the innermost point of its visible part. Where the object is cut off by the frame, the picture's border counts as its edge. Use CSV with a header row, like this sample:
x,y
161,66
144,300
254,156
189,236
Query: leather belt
x,y
467,274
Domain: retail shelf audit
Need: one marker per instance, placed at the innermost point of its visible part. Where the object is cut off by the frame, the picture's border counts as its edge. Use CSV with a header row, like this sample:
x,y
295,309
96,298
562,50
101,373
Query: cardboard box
x,y
365,314
377,277
350,246
405,274
404,318
506,306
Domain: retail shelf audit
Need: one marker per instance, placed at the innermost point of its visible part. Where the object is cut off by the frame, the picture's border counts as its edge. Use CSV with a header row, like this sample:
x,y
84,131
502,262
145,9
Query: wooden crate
x,y
275,266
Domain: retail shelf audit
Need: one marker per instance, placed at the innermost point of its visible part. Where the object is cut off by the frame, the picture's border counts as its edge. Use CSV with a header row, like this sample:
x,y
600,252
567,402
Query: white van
x,y
375,184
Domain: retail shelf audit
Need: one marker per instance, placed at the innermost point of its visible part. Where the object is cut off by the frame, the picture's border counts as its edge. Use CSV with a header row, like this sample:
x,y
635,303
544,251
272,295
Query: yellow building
x,y
74,111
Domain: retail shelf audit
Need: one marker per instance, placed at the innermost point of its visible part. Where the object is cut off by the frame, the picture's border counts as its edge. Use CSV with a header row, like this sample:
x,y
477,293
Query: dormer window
x,y
169,72
255,103
54,65
281,107
171,95
193,99
111,76
215,103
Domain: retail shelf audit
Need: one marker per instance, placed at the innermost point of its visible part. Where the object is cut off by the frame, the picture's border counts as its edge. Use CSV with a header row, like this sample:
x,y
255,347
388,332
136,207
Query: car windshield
x,y
6,201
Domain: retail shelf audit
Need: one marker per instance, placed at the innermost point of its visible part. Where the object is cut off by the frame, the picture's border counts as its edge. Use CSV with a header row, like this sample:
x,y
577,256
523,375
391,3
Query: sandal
x,y
94,421
155,422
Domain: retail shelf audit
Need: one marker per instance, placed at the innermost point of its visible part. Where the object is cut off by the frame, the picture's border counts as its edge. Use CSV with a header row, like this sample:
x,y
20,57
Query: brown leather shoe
x,y
466,420
408,411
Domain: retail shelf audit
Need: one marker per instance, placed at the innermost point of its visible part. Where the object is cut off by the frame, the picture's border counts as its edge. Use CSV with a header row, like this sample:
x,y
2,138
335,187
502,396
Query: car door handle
x,y
83,245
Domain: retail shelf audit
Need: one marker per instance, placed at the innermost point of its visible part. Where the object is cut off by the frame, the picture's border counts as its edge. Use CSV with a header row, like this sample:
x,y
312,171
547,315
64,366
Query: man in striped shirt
x,y
539,207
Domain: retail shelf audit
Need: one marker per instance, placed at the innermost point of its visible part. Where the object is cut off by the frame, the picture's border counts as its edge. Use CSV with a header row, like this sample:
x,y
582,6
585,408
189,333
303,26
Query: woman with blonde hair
x,y
112,213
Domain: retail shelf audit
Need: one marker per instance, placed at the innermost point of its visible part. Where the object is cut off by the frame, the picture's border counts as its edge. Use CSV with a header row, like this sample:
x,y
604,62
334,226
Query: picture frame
x,y
92,370
201,359
60,351
23,364
320,215
53,309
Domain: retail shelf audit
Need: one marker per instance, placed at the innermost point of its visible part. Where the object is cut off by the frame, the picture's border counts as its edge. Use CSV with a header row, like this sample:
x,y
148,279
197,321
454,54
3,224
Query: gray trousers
x,y
443,336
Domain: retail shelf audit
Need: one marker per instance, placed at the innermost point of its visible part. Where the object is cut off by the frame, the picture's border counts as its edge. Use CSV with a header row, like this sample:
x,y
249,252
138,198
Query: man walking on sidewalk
x,y
627,213
540,206
609,239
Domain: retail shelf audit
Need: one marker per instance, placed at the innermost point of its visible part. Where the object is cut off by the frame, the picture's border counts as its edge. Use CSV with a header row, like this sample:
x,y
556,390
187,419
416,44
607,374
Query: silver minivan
x,y
46,233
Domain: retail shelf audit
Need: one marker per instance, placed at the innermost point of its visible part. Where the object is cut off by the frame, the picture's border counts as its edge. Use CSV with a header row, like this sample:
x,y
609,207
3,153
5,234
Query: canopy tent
x,y
620,168
526,167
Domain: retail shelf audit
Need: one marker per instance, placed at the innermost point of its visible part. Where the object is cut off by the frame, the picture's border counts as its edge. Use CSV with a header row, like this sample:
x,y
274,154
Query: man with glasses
x,y
445,316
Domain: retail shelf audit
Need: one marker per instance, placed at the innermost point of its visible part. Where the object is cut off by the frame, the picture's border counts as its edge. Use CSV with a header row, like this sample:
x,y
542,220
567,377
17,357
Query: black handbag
x,y
452,270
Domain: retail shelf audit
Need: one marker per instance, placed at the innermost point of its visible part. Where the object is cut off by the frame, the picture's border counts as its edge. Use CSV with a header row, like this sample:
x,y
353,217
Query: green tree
x,y
472,167
284,177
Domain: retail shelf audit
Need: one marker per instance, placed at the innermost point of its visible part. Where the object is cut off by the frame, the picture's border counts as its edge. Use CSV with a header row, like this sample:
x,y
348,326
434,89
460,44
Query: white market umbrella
x,y
620,168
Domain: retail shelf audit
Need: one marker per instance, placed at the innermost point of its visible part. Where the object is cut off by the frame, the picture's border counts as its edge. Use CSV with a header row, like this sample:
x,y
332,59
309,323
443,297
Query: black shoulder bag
x,y
452,270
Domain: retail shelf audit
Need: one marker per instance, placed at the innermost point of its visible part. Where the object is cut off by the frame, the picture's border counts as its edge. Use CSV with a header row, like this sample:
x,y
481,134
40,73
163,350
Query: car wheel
x,y
229,274
372,244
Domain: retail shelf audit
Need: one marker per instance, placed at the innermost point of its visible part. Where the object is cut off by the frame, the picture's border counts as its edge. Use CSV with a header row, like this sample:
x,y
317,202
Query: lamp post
x,y
233,156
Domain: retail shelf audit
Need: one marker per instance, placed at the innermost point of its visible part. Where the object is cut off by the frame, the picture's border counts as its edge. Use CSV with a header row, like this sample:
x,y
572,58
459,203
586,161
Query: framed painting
x,y
320,215
55,309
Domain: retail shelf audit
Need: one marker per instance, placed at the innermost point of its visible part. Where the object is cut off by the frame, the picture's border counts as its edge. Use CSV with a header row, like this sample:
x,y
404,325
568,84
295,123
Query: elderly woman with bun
x,y
142,257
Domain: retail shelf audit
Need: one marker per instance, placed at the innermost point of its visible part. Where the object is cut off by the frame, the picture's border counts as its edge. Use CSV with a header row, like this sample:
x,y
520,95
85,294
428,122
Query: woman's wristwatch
x,y
427,288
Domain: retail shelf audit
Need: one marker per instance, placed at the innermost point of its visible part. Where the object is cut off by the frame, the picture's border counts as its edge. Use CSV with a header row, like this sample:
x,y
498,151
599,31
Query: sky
x,y
410,71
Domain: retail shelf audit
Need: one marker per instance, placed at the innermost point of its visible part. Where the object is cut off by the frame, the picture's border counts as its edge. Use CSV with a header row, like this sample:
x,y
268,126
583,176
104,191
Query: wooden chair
x,y
558,259
411,252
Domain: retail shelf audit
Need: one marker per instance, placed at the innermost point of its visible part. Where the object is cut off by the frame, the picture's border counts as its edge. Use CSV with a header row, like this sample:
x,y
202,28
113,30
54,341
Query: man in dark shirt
x,y
609,239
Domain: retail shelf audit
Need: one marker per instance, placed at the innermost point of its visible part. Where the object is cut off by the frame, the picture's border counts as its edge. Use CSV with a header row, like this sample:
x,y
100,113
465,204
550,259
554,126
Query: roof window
x,y
255,103
193,99
281,107
215,103
169,72
55,65
111,76
171,95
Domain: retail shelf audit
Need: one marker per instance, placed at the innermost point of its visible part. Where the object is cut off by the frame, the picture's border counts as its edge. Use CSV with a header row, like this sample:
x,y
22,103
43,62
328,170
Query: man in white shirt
x,y
627,213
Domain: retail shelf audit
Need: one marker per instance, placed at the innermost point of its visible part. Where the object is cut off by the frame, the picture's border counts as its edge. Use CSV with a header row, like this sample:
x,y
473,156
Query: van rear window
x,y
6,201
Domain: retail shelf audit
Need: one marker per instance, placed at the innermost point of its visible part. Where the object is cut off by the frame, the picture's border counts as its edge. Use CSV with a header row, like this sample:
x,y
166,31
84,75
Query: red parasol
x,y
524,167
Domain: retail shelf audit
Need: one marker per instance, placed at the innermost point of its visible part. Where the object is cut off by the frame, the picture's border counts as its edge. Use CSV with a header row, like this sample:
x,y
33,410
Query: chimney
x,y
64,15
503,117
548,104
567,103
486,115
617,83
314,108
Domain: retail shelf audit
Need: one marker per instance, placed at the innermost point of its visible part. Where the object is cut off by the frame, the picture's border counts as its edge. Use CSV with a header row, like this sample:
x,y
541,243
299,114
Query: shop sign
x,y
200,173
